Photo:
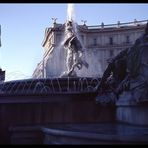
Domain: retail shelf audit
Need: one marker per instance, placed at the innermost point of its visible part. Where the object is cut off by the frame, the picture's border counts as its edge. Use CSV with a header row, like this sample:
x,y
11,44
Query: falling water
x,y
58,50
49,86
71,16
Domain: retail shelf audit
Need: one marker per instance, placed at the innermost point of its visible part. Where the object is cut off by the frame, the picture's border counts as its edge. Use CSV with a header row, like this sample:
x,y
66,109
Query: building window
x,y
127,39
111,53
95,42
111,41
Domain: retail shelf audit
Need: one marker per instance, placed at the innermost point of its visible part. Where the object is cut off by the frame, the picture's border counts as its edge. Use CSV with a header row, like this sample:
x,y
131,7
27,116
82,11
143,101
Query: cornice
x,y
129,26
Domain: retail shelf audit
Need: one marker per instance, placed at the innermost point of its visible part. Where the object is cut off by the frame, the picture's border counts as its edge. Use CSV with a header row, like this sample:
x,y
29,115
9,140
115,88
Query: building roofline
x,y
118,24
106,27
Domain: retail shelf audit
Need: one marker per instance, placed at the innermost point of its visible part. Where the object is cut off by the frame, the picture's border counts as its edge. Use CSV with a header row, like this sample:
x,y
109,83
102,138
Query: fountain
x,y
75,110
68,82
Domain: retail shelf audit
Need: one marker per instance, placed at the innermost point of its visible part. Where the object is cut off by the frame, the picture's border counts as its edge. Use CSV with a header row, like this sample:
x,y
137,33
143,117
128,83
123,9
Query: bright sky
x,y
23,27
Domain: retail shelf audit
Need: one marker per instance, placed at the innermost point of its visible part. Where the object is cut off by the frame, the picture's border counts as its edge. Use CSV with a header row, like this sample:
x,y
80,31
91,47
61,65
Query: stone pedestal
x,y
132,112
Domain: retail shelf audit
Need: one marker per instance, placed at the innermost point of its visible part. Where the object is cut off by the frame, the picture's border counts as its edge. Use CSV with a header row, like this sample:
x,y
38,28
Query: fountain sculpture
x,y
31,109
73,46
129,80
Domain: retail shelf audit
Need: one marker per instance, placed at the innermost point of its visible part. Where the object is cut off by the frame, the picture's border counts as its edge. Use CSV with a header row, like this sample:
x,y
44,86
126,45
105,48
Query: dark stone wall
x,y
14,112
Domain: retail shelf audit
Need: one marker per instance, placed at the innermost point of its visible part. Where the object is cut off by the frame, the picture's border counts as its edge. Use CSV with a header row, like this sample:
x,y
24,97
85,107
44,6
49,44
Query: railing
x,y
118,24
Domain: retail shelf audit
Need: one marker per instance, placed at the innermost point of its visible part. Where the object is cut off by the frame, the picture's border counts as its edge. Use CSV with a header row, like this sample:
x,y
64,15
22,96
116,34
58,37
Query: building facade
x,y
100,43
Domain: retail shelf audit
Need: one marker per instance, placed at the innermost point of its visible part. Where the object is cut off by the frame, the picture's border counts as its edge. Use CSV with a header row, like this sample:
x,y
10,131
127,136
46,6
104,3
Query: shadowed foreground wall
x,y
42,110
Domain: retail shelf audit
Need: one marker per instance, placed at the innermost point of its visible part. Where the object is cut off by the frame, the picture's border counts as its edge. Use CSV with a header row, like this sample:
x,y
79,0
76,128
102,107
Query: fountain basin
x,y
48,90
44,101
100,133
49,86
